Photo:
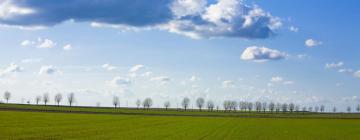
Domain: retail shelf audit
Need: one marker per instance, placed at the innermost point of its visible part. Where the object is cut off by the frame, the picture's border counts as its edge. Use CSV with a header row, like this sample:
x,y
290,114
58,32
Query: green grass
x,y
179,112
42,125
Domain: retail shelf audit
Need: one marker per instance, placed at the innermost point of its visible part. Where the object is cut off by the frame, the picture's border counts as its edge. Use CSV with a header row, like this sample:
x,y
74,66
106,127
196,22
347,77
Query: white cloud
x,y
194,78
357,74
334,65
261,54
109,67
68,47
46,43
31,60
26,43
147,74
345,70
288,82
312,43
48,70
182,8
294,29
276,79
162,79
8,10
228,84
120,81
133,70
13,68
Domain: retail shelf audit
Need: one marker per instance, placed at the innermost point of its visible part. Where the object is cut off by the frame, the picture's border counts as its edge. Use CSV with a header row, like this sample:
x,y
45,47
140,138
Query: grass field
x,y
31,124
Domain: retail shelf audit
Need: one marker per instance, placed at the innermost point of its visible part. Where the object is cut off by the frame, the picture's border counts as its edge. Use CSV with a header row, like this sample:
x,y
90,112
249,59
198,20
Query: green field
x,y
85,123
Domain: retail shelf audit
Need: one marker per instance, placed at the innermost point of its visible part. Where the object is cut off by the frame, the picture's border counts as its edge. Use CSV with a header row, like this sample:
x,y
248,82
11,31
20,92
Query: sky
x,y
299,51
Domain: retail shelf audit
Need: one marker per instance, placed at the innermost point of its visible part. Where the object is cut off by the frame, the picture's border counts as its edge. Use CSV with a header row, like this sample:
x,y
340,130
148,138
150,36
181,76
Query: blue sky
x,y
285,51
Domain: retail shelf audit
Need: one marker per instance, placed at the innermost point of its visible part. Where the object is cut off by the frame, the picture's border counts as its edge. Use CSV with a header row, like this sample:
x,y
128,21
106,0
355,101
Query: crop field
x,y
46,124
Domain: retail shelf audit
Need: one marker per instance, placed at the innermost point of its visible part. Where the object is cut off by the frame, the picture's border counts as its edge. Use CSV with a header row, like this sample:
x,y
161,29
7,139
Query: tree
x,y
358,108
147,103
322,108
138,103
258,106
46,98
264,105
37,99
297,108
116,101
272,107
58,98
304,109
210,105
348,109
167,105
7,96
334,109
278,107
310,109
317,109
284,107
200,102
291,107
71,98
242,106
185,103
249,106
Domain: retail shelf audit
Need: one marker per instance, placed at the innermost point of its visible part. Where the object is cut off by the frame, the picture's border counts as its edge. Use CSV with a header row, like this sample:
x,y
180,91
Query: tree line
x,y
201,104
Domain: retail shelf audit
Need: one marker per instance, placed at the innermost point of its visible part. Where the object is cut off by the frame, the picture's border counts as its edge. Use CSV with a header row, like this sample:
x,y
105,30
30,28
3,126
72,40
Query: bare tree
x,y
250,106
210,105
58,98
358,108
37,99
167,105
322,108
291,107
233,105
304,109
71,98
200,103
7,96
46,98
264,106
138,103
284,107
116,101
242,106
317,108
258,106
185,103
297,108
348,109
278,107
147,103
272,107
334,109
310,109
226,105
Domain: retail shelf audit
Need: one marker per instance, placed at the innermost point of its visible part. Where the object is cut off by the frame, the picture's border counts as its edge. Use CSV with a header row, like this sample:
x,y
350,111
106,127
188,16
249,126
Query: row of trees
x,y
228,105
45,98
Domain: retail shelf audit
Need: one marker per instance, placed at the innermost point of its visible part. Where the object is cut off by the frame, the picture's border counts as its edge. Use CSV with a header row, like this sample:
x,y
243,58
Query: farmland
x,y
40,122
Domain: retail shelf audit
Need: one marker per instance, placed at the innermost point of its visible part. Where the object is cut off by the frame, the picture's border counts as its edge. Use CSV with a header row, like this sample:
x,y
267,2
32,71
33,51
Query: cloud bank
x,y
193,18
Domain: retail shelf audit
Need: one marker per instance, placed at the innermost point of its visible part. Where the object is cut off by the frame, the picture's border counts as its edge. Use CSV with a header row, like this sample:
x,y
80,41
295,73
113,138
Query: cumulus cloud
x,y
48,70
120,81
228,84
134,70
357,74
261,54
294,29
31,60
39,43
8,10
109,67
193,18
13,68
162,79
312,43
46,43
68,47
334,65
26,43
